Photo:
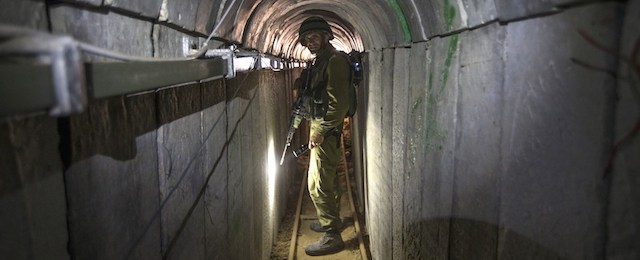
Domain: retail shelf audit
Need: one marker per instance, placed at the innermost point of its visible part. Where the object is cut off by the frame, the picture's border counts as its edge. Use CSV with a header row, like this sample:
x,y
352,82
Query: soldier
x,y
328,90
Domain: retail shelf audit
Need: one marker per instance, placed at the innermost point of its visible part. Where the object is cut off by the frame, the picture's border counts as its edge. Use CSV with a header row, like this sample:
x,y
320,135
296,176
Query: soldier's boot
x,y
329,243
315,226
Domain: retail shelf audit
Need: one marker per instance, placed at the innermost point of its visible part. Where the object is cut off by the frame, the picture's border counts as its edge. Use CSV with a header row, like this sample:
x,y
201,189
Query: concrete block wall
x,y
195,185
180,173
32,198
623,207
500,137
17,14
486,143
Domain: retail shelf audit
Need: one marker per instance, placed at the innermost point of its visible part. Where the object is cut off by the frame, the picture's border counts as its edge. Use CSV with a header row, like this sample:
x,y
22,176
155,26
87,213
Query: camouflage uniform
x,y
324,185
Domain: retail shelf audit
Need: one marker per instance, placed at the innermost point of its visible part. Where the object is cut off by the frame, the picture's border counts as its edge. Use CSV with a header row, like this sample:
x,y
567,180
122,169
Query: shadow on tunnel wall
x,y
110,126
150,161
462,238
175,247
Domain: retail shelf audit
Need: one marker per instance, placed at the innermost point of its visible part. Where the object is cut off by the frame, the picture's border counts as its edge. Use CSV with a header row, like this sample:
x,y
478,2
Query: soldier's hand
x,y
315,140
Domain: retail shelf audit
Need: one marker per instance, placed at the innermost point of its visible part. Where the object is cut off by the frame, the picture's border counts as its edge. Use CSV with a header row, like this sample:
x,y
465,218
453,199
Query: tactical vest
x,y
316,99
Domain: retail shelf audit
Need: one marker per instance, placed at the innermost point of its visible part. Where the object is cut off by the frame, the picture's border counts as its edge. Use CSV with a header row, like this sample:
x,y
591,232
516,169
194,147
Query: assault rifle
x,y
293,125
298,112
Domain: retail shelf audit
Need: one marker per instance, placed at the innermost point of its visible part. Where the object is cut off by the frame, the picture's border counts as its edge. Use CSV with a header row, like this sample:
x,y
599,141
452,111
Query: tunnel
x,y
149,129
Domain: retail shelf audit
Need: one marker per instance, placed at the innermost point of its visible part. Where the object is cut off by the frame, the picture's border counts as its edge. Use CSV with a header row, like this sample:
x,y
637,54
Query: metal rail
x,y
30,88
294,233
117,78
296,222
356,223
25,88
41,71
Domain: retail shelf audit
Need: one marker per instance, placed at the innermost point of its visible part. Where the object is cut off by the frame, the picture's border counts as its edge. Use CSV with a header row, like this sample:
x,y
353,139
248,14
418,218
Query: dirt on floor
x,y
305,235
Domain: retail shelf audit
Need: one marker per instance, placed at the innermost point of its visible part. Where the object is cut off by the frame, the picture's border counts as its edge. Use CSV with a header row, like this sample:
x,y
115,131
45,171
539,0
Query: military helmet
x,y
314,23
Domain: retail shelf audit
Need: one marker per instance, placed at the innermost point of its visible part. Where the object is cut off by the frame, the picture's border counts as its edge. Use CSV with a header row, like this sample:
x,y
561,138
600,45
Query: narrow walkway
x,y
300,200
306,236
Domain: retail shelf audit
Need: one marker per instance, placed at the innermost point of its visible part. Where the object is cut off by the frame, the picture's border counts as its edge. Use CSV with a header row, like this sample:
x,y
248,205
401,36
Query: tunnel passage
x,y
486,129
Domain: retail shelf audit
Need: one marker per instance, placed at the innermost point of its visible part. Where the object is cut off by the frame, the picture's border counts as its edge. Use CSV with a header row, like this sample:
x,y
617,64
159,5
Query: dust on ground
x,y
306,236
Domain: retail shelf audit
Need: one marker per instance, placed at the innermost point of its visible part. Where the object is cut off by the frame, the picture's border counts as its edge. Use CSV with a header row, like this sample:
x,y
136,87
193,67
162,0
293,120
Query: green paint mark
x,y
434,135
453,46
449,14
430,83
416,104
402,20
426,135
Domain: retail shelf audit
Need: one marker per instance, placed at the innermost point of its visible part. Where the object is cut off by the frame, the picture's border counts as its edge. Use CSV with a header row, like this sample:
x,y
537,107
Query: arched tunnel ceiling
x,y
270,26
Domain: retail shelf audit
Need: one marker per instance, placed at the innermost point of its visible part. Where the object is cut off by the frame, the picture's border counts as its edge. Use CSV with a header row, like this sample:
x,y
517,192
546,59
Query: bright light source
x,y
272,169
257,62
340,45
265,62
244,63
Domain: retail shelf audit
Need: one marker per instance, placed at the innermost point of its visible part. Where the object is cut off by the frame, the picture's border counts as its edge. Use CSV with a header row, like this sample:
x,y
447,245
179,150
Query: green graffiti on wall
x,y
406,33
453,46
434,134
416,105
431,137
449,15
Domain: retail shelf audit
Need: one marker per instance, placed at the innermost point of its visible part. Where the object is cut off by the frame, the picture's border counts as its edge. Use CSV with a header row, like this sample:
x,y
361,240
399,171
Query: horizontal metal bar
x,y
25,88
29,88
117,78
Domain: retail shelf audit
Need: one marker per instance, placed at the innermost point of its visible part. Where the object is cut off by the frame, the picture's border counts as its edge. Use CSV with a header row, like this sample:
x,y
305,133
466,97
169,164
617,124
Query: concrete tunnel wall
x,y
494,141
176,174
179,173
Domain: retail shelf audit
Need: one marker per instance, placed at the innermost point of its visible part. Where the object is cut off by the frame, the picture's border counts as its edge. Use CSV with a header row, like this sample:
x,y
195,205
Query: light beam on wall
x,y
272,174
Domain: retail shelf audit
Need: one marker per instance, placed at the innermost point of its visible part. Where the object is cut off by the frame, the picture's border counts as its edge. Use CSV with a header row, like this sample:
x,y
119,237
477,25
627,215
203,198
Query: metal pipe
x,y
44,71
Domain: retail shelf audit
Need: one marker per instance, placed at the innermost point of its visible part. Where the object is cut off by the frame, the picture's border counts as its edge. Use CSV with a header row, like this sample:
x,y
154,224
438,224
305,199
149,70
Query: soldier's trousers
x,y
324,183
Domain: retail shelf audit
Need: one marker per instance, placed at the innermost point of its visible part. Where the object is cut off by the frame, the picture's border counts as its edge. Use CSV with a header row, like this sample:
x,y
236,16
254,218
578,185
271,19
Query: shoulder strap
x,y
324,62
353,102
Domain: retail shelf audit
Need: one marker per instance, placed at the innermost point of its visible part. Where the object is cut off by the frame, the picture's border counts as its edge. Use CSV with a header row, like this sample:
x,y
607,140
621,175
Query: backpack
x,y
355,78
314,101
355,59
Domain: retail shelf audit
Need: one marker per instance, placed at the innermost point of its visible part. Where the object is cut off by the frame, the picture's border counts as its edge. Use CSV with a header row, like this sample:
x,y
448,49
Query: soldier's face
x,y
314,41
